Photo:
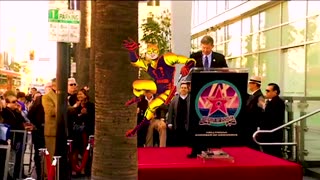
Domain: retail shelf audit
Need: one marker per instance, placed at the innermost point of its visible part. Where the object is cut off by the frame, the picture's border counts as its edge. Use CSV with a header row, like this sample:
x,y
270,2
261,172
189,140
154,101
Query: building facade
x,y
278,40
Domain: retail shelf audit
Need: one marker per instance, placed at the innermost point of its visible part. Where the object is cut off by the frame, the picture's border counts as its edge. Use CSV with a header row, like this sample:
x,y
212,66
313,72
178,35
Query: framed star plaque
x,y
216,109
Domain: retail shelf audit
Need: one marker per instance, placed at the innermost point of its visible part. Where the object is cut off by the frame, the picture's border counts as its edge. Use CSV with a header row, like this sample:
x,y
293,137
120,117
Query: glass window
x,y
213,35
211,8
233,48
246,26
202,11
269,68
220,48
195,15
293,71
199,41
293,33
270,17
246,44
313,30
234,30
255,23
251,62
293,10
234,62
255,42
220,35
313,7
221,6
233,3
270,39
313,70
194,45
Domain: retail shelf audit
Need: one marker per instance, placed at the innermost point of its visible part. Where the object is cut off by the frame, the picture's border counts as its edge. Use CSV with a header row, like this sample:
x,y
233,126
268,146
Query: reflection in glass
x,y
293,33
213,35
246,26
255,23
199,41
270,17
293,10
251,62
294,68
220,35
234,62
313,70
270,39
313,7
220,48
233,48
313,29
246,44
269,68
234,30
255,42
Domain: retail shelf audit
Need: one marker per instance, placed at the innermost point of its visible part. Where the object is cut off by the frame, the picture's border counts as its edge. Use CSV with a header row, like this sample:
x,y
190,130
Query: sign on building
x,y
64,25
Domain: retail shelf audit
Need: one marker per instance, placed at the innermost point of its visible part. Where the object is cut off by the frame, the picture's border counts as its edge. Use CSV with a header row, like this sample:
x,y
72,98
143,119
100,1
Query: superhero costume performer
x,y
161,69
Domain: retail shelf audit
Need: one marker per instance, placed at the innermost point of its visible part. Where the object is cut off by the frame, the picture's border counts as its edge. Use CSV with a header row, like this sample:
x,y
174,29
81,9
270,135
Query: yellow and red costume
x,y
162,70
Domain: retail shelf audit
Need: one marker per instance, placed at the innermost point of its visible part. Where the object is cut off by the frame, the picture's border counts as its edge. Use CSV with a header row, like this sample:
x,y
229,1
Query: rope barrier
x,y
85,156
52,170
48,160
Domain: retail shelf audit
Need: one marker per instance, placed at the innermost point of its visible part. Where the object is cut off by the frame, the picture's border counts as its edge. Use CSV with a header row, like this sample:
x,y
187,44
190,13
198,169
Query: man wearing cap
x,y
253,111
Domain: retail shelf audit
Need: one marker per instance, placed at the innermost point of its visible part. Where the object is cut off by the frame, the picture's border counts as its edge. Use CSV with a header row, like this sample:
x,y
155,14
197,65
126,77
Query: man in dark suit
x,y
273,117
206,57
253,111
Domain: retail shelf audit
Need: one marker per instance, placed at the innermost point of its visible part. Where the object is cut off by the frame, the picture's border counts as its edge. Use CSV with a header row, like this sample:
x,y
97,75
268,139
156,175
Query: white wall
x,y
181,29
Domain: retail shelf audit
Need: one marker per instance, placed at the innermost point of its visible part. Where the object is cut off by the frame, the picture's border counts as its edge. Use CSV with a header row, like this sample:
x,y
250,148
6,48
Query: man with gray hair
x,y
206,58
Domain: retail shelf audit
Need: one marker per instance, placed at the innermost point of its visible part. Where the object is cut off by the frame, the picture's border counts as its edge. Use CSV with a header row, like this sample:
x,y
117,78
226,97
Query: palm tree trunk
x,y
83,47
115,156
92,58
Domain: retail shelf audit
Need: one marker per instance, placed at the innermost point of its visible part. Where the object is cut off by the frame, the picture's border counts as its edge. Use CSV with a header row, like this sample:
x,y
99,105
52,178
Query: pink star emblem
x,y
217,102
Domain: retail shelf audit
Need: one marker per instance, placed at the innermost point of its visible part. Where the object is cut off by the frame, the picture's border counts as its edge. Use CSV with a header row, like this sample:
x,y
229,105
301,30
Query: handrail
x,y
280,127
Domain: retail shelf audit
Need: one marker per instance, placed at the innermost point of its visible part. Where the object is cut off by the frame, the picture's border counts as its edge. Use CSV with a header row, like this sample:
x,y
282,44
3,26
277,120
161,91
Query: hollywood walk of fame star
x,y
218,102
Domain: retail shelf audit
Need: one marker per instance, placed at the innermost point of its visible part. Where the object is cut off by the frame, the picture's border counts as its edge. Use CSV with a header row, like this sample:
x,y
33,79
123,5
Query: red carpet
x,y
172,164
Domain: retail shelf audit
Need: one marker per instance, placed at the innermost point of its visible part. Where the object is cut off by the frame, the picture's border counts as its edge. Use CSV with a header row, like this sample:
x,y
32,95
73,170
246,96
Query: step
x,y
313,172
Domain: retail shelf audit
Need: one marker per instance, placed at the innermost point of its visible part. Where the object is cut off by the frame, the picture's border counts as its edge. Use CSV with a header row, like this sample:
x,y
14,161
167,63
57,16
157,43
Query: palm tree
x,y
114,156
83,47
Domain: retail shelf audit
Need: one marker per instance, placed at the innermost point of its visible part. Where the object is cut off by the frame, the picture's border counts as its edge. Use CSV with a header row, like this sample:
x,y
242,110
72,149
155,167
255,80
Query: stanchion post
x,y
42,152
57,158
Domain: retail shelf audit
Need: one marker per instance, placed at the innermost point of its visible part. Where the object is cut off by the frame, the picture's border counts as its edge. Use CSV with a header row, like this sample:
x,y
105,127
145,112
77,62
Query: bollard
x,y
56,158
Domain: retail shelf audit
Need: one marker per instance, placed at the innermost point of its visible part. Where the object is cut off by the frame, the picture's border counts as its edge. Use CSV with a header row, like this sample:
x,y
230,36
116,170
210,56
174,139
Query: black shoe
x,y
192,156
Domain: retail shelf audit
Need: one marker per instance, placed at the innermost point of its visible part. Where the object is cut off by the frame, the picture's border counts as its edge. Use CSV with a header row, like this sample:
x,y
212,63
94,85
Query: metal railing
x,y
280,127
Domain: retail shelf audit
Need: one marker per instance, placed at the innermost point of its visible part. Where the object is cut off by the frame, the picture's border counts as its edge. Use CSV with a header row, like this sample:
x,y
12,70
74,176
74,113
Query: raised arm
x,y
132,46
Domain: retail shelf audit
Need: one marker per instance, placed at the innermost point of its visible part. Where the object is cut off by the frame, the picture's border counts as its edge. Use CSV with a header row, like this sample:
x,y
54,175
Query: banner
x,y
217,106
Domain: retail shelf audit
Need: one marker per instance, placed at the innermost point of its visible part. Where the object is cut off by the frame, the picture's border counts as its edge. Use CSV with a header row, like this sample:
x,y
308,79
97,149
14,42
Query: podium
x,y
217,104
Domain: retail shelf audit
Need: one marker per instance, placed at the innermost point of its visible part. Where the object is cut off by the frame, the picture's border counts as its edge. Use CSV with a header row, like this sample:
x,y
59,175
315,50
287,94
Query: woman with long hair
x,y
83,126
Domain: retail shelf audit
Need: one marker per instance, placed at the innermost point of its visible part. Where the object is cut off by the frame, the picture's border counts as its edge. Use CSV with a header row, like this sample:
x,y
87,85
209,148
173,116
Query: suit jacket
x,y
273,117
49,103
173,111
253,111
217,60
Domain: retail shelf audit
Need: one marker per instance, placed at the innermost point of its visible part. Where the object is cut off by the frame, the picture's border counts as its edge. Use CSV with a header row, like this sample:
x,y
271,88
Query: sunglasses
x,y
73,84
